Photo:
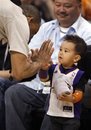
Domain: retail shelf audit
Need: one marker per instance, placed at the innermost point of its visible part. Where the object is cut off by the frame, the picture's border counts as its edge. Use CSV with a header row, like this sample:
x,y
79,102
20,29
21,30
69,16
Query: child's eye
x,y
60,49
66,51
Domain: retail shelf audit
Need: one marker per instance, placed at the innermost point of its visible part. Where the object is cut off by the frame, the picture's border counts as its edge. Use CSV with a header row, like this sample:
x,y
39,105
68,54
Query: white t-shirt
x,y
14,27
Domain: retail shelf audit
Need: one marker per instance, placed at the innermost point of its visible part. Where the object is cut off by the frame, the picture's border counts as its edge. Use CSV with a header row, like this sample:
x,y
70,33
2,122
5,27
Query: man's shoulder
x,y
86,24
9,9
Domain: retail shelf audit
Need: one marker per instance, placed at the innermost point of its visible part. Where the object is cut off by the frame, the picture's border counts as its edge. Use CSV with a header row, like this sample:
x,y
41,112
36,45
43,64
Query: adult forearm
x,y
31,69
4,73
24,68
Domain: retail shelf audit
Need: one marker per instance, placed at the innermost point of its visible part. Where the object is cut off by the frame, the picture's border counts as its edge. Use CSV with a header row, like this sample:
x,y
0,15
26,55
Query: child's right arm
x,y
44,76
43,73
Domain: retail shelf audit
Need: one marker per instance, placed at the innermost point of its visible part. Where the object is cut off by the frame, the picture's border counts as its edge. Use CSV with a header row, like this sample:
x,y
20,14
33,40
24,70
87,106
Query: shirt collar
x,y
55,23
76,25
72,28
66,71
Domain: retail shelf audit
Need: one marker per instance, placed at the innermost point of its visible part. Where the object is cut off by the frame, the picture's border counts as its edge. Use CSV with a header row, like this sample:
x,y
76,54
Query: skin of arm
x,y
74,98
22,68
4,73
26,69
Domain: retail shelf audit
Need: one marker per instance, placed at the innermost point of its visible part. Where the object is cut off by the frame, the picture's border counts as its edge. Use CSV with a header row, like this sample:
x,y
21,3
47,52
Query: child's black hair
x,y
80,44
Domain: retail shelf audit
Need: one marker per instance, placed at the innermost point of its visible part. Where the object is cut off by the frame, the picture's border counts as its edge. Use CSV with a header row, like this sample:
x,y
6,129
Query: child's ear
x,y
77,58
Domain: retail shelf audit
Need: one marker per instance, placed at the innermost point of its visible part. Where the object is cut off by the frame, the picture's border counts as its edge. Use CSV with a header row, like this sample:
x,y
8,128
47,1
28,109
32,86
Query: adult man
x,y
17,34
69,21
14,30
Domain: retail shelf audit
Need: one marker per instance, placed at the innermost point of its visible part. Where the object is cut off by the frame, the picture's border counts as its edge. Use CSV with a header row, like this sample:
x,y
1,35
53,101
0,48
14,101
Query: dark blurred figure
x,y
86,9
43,8
5,62
50,5
86,104
17,2
26,1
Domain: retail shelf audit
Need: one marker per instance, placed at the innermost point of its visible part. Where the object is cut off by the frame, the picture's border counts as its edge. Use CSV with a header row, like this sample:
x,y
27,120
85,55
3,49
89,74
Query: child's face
x,y
67,55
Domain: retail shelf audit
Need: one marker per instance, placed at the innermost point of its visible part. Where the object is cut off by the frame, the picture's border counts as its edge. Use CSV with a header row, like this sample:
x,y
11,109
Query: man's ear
x,y
77,58
30,19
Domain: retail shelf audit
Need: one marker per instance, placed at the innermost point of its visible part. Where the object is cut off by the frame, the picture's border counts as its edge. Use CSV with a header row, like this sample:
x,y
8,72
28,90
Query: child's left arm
x,y
75,97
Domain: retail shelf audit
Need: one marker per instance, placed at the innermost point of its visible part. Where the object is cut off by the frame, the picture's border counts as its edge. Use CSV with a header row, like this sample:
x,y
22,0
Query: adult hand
x,y
45,52
47,65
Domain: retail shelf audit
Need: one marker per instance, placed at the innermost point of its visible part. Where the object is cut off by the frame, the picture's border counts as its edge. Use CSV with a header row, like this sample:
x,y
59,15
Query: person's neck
x,y
68,67
63,30
64,25
69,24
